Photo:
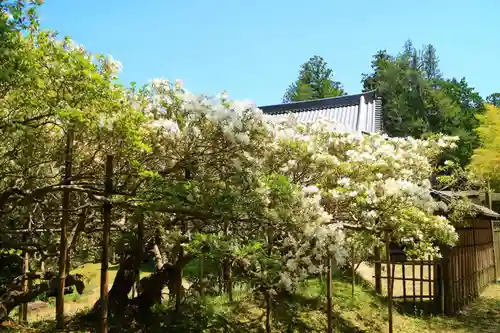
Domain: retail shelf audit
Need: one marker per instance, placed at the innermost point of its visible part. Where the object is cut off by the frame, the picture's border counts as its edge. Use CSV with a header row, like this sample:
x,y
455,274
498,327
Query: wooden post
x,y
353,265
23,308
488,198
438,288
378,271
329,297
106,216
495,249
447,281
63,245
389,278
140,238
201,279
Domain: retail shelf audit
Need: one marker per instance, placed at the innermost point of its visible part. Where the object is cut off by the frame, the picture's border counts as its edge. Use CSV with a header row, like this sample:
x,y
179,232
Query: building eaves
x,y
318,104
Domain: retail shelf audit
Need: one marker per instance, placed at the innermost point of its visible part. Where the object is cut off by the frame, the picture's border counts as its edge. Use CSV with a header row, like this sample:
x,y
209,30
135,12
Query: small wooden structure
x,y
448,284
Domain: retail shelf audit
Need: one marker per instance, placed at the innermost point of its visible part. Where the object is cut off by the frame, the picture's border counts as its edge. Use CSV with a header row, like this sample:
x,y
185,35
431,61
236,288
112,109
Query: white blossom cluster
x,y
334,178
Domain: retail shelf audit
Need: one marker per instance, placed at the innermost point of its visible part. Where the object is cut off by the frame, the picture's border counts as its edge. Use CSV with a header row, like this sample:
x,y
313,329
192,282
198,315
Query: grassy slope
x,y
365,312
76,303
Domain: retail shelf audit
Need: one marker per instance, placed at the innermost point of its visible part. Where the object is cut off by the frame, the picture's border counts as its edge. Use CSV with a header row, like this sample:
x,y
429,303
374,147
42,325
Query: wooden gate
x,y
496,239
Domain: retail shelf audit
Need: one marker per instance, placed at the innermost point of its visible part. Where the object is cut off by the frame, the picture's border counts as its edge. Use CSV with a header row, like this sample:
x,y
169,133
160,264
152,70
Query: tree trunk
x,y
63,245
106,216
176,280
153,285
228,280
268,311
157,256
178,287
125,278
75,233
118,294
227,267
12,298
140,239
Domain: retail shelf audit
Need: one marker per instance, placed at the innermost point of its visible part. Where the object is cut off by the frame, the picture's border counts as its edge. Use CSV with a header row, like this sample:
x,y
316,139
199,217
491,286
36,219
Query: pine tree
x,y
430,62
315,81
493,99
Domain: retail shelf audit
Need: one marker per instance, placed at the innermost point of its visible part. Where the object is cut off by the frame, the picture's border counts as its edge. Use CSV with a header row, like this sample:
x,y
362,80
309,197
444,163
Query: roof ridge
x,y
326,99
317,104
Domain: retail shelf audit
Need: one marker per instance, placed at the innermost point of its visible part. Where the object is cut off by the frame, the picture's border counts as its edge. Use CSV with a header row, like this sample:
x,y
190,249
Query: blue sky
x,y
253,49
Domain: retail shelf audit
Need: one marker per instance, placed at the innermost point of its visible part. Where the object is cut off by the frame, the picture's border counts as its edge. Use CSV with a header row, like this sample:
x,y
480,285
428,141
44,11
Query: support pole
x,y
63,246
389,278
106,216
329,296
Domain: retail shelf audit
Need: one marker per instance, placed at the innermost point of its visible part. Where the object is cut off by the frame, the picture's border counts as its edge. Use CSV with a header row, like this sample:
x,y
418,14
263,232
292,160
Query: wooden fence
x,y
447,284
496,241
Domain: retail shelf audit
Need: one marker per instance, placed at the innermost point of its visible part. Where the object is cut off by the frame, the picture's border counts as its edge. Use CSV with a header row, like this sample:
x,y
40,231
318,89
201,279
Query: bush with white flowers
x,y
296,188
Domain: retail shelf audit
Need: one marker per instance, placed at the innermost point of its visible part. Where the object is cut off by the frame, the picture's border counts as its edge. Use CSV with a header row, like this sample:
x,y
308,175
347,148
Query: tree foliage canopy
x,y
486,158
315,81
418,101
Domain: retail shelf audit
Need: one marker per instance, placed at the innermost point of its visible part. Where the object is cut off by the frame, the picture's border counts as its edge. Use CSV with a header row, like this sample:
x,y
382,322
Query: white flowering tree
x,y
219,167
372,182
203,171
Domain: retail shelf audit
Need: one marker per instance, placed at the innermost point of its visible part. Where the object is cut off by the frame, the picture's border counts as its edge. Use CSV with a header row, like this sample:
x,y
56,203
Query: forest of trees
x,y
417,99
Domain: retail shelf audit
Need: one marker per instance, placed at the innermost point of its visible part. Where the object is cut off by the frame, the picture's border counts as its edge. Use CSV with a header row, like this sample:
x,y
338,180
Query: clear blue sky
x,y
253,49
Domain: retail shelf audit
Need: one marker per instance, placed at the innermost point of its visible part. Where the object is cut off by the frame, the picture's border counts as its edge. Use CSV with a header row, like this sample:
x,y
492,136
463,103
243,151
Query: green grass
x,y
74,302
303,311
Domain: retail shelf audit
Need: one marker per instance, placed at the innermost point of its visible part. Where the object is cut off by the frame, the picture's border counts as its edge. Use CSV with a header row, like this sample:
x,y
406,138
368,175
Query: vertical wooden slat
x,y
476,265
430,277
464,265
414,294
467,262
464,275
466,256
404,280
458,294
421,281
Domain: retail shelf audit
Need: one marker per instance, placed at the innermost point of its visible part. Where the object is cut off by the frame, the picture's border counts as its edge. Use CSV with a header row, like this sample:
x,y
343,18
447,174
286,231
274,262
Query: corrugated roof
x,y
353,113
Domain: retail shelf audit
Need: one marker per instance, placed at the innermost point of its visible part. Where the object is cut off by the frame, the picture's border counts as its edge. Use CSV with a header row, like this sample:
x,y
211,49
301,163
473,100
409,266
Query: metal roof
x,y
354,113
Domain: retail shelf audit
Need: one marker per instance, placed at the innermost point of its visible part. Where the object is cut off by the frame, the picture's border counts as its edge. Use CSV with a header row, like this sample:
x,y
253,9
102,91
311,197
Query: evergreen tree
x,y
430,62
417,101
494,99
315,81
